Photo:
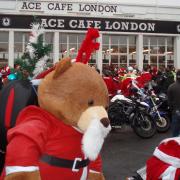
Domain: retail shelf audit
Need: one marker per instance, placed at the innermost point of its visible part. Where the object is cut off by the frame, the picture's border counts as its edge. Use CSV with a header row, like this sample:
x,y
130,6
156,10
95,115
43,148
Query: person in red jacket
x,y
145,77
126,82
5,71
112,85
125,86
121,72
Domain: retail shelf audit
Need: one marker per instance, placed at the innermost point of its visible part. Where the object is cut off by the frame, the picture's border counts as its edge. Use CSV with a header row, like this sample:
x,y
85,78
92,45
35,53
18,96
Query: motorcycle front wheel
x,y
144,126
163,125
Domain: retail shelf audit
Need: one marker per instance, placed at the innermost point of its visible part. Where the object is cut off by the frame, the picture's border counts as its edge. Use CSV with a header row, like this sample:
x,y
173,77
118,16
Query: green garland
x,y
26,63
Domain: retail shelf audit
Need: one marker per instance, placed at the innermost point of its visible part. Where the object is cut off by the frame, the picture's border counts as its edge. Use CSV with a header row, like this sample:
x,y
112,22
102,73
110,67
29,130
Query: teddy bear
x,y
62,137
59,139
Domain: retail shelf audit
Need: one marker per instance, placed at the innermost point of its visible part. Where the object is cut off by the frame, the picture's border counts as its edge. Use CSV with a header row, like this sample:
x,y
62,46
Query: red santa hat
x,y
168,153
121,70
39,77
170,148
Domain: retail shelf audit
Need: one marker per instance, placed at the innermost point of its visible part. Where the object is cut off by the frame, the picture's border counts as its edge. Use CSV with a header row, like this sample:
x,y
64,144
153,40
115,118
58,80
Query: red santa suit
x,y
111,86
144,78
5,72
126,86
38,135
165,162
121,72
140,82
154,72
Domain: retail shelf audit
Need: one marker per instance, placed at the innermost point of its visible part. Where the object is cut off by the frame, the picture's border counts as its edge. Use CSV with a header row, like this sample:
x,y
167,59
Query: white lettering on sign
x,y
59,23
106,25
129,26
82,24
151,26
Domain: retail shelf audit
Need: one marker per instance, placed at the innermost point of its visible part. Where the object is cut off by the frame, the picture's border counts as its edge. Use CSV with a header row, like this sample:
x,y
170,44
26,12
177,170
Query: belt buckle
x,y
74,164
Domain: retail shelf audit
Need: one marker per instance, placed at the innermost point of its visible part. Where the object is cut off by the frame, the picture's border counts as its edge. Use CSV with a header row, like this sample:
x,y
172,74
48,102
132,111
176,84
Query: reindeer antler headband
x,y
88,46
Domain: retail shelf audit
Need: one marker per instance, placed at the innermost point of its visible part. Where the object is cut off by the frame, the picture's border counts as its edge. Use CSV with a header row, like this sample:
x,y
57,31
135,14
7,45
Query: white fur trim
x,y
176,139
142,172
169,173
93,139
36,81
145,72
175,162
84,174
92,171
14,169
77,129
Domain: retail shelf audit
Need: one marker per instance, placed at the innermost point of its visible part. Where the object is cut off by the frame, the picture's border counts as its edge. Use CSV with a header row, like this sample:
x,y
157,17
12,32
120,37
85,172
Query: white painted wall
x,y
172,3
134,9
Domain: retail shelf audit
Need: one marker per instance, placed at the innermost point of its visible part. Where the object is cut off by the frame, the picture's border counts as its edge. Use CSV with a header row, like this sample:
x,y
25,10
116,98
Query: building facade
x,y
131,32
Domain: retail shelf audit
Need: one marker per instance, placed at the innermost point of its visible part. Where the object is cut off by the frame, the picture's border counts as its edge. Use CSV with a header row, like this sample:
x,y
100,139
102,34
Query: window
x,y
63,44
48,39
4,41
20,41
158,50
70,44
117,48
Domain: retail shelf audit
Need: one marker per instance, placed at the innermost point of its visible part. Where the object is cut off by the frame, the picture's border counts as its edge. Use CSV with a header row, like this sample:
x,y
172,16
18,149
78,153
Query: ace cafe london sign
x,y
63,7
83,23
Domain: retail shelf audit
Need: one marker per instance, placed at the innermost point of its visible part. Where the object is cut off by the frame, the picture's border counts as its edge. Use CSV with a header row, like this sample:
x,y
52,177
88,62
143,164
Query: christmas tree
x,y
35,58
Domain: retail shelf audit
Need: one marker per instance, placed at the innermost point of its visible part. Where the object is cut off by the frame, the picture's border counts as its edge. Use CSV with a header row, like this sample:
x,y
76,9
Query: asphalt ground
x,y
124,152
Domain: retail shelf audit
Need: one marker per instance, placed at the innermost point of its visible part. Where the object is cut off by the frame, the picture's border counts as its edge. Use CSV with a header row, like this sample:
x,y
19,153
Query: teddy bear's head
x,y
77,95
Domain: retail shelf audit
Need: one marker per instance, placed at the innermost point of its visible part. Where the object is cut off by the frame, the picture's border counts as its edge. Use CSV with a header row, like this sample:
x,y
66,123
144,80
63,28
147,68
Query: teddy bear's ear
x,y
62,66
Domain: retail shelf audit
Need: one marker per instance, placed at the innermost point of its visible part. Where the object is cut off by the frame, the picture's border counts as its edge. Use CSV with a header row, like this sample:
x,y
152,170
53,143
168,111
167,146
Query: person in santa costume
x,y
165,162
121,73
5,71
145,77
112,85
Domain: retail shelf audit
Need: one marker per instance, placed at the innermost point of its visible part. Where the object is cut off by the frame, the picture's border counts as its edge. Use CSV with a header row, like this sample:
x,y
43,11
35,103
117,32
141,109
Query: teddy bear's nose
x,y
105,122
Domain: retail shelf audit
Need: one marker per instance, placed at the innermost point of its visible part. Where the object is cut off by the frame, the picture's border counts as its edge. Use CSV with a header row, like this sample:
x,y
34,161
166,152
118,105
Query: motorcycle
x,y
160,116
163,104
157,105
125,111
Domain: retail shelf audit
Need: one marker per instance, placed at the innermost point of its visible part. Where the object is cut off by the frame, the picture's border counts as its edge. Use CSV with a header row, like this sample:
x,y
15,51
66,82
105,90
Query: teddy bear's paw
x,y
23,176
96,176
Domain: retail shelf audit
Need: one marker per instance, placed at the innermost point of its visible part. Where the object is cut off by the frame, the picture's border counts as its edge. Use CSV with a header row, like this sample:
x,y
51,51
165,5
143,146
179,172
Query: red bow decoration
x,y
88,46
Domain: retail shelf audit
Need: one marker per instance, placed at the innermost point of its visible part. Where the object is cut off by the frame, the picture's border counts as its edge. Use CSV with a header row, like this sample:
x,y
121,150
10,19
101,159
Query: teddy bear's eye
x,y
90,102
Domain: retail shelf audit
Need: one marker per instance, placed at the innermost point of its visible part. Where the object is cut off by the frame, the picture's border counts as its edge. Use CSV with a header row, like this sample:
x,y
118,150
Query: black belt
x,y
75,164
